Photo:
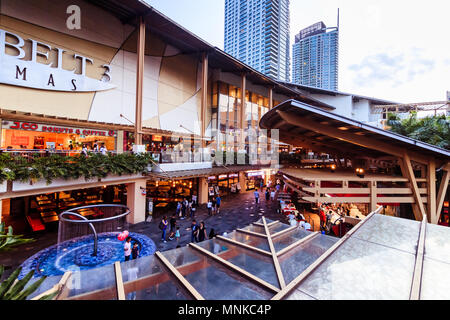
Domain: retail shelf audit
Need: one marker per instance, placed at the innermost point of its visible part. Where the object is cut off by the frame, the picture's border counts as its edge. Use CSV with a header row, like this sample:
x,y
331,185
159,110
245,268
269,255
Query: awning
x,y
186,174
301,124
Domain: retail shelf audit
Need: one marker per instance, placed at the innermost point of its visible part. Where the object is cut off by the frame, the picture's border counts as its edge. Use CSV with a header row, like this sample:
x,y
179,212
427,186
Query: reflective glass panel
x,y
297,260
435,280
396,233
289,238
437,243
364,271
254,241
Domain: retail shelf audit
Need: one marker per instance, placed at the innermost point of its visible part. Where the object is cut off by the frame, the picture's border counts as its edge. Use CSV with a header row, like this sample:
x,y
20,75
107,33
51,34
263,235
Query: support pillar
x,y
441,195
202,190
139,81
242,113
270,98
431,194
242,181
136,201
373,196
204,101
119,139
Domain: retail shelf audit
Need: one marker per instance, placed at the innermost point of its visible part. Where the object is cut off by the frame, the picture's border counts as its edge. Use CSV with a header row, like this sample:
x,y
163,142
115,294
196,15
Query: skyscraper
x,y
257,33
316,57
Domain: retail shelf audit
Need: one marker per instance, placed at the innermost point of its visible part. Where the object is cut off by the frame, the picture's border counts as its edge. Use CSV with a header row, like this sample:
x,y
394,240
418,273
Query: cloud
x,y
389,68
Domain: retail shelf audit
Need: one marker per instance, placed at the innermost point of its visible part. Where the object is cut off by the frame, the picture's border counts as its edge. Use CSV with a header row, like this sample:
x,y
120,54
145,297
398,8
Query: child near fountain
x,y
127,248
135,251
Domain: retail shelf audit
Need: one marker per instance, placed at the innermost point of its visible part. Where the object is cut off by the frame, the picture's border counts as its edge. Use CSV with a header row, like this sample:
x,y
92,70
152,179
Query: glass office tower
x,y
316,56
257,33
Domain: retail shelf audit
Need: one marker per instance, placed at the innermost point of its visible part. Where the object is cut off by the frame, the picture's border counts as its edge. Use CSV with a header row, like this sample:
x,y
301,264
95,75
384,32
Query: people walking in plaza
x,y
218,201
202,232
267,194
95,147
177,235
135,251
193,206
256,193
209,206
178,210
213,203
272,195
212,234
173,223
164,224
183,209
194,231
127,248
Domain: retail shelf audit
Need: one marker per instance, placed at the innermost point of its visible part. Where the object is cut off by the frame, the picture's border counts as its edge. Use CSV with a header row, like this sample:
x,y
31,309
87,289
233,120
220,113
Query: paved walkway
x,y
236,211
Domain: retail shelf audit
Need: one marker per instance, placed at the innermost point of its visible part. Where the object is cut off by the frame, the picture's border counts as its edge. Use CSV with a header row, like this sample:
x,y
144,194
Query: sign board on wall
x,y
31,126
14,70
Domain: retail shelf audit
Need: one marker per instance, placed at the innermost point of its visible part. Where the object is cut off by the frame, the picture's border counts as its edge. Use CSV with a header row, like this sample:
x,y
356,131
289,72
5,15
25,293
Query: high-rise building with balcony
x,y
316,56
257,33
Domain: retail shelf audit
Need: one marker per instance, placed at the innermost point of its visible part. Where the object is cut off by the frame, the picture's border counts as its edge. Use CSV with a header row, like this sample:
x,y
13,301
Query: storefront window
x,y
34,136
166,194
41,212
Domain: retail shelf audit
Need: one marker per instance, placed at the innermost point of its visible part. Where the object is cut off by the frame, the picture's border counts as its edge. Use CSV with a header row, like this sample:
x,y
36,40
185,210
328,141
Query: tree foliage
x,y
434,130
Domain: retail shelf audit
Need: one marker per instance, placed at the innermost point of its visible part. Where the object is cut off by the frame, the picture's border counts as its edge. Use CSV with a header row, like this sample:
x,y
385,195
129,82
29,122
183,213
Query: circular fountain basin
x,y
76,254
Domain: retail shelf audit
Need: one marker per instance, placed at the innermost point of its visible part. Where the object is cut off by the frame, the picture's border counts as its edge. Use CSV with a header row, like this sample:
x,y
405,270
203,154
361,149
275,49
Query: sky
x,y
397,50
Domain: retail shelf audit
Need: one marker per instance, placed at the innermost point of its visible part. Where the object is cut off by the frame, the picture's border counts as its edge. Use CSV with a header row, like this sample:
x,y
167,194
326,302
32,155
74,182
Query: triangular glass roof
x,y
381,258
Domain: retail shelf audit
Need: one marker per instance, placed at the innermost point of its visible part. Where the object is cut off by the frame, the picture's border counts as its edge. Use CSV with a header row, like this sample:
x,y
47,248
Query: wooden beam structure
x,y
431,185
346,136
235,268
441,195
119,281
252,233
297,243
413,181
60,288
179,276
276,263
246,246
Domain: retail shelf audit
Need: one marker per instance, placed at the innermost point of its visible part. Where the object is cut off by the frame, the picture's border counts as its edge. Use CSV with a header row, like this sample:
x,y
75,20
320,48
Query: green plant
x,y
16,168
8,239
14,289
432,129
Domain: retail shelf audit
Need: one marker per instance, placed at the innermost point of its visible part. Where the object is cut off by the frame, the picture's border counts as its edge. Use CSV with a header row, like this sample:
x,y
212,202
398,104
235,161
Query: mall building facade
x,y
62,87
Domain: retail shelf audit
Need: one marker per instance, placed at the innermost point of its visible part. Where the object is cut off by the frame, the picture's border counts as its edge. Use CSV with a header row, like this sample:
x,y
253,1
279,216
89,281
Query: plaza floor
x,y
237,211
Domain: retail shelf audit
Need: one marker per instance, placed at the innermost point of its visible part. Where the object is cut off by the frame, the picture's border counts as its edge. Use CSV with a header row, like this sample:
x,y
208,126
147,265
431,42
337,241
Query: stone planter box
x,y
42,184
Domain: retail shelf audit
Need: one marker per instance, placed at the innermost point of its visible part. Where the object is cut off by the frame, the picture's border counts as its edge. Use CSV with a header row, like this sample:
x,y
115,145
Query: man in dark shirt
x,y
173,223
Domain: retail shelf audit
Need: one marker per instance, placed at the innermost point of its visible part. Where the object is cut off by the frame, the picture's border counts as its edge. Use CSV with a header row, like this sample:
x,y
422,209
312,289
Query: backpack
x,y
161,226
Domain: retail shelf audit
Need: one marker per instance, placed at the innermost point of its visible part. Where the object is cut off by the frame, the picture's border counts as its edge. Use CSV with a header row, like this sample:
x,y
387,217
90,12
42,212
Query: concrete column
x,y
119,146
373,196
242,181
204,100
136,201
270,98
202,190
139,81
